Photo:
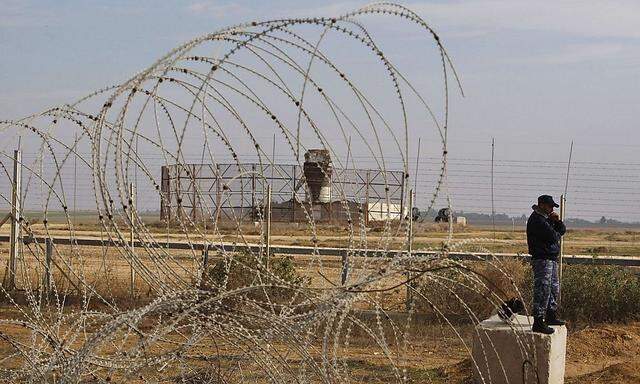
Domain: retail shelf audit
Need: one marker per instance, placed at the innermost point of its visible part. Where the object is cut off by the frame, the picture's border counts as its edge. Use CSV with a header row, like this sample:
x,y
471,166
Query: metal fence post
x,y
563,201
131,237
48,243
205,264
293,194
268,229
218,196
253,192
366,199
194,208
15,219
345,267
409,298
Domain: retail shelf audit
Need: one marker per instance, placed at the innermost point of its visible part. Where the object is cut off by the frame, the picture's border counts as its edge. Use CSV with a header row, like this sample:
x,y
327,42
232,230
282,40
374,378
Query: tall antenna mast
x,y
415,175
566,182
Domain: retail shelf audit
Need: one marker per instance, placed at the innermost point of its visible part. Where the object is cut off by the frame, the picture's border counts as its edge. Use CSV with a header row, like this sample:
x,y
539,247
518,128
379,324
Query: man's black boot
x,y
540,327
552,318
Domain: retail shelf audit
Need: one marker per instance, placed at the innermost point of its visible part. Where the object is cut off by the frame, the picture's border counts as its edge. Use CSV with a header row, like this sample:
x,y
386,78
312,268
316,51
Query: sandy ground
x,y
614,242
604,354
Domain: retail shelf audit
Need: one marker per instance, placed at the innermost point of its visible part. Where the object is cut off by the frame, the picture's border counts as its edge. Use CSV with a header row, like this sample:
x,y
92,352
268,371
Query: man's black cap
x,y
547,199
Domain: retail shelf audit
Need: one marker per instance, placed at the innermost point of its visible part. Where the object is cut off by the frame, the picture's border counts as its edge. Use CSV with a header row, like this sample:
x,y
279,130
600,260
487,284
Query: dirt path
x,y
604,354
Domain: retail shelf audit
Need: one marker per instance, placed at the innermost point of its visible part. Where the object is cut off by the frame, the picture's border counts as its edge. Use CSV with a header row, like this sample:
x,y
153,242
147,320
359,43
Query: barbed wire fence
x,y
134,310
598,188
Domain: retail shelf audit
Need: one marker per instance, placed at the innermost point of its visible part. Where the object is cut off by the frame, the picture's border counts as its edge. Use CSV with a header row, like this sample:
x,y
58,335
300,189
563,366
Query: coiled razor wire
x,y
215,96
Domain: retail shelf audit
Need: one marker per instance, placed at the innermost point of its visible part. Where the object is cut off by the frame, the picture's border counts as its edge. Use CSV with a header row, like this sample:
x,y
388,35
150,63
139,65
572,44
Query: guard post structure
x,y
513,354
231,193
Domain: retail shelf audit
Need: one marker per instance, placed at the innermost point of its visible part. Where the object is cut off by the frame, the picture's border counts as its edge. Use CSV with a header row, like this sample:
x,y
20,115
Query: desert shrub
x,y
281,281
590,293
473,284
594,293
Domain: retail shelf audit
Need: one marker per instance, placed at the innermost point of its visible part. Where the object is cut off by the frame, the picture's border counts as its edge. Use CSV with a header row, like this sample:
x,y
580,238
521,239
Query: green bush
x,y
590,293
600,293
279,283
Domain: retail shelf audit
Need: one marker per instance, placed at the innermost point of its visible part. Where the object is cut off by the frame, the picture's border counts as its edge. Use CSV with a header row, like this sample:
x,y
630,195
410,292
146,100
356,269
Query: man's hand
x,y
554,216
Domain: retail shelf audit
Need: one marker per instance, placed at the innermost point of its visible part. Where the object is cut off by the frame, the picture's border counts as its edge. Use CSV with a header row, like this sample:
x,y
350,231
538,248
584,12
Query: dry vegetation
x,y
593,298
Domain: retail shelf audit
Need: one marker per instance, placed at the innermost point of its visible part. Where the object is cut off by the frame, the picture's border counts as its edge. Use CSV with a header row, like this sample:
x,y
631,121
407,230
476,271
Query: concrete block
x,y
511,353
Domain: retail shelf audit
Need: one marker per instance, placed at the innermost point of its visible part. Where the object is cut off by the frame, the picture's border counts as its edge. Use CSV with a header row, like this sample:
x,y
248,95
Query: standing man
x,y
544,230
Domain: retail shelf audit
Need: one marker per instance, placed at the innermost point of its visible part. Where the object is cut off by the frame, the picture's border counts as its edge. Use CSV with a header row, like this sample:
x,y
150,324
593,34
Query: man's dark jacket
x,y
543,236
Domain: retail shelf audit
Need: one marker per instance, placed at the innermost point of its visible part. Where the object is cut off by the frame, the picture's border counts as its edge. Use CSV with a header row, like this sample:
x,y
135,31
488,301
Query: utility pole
x,y
16,209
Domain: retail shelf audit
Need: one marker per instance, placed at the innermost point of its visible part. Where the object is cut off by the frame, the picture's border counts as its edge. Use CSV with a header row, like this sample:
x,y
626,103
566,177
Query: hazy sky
x,y
537,74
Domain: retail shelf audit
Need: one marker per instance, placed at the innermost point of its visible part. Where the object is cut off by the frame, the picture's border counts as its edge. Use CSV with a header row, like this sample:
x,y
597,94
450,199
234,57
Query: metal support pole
x,y
218,196
194,212
75,179
493,209
330,205
179,191
253,193
345,267
415,174
366,198
268,229
293,195
205,264
165,195
409,298
15,218
48,243
563,202
345,256
242,181
132,203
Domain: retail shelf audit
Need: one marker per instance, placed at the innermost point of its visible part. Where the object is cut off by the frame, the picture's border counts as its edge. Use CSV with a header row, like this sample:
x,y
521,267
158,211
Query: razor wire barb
x,y
268,327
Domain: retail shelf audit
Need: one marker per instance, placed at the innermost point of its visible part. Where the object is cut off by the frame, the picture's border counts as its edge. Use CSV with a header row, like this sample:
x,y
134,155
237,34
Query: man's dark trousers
x,y
546,286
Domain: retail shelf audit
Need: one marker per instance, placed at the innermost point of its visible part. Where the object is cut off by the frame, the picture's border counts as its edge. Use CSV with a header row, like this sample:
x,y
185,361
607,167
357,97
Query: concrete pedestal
x,y
504,353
